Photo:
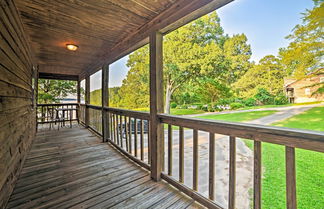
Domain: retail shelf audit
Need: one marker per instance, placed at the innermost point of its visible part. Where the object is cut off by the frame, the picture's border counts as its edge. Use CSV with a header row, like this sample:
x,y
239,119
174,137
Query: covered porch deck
x,y
73,168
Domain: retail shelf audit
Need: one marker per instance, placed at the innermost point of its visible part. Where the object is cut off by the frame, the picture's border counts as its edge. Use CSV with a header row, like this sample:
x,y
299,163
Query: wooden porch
x,y
73,168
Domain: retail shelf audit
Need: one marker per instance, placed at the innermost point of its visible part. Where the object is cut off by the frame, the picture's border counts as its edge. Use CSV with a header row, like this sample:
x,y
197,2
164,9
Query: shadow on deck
x,y
71,168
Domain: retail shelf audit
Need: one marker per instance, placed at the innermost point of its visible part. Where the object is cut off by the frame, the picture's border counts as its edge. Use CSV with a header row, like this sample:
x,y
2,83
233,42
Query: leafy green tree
x,y
306,49
268,75
51,91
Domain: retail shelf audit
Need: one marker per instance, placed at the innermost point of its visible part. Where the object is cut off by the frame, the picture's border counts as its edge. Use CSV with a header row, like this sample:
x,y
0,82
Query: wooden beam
x,y
58,76
87,100
177,15
105,102
156,104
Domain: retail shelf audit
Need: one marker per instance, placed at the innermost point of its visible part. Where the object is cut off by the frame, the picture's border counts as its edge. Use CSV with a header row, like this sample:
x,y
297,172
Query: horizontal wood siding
x,y
17,116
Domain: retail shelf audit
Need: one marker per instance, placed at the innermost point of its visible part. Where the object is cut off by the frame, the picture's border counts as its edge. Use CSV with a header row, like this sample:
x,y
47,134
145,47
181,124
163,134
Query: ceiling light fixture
x,y
72,47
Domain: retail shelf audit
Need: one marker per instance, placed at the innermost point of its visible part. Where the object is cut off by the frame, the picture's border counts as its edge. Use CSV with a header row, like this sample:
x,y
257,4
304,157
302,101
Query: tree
x,y
306,49
195,51
268,75
51,91
199,50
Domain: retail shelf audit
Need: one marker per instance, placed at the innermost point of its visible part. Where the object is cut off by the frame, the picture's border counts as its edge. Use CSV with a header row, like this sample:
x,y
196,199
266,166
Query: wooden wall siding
x,y
17,117
91,24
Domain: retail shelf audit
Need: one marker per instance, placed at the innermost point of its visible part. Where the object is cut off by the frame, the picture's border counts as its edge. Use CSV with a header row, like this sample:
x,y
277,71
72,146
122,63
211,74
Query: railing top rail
x,y
131,113
312,140
94,106
57,104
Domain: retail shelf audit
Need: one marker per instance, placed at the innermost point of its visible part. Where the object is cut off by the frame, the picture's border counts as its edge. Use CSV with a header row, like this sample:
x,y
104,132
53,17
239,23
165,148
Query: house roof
x,y
308,75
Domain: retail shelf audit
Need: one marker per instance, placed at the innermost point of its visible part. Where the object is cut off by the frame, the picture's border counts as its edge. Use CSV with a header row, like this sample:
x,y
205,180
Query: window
x,y
307,91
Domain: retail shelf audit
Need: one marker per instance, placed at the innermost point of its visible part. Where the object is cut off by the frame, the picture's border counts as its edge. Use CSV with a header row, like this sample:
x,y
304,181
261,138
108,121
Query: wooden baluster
x,y
135,136
117,129
257,175
211,166
232,172
181,155
112,134
142,140
126,133
291,178
130,134
170,132
148,144
121,131
195,160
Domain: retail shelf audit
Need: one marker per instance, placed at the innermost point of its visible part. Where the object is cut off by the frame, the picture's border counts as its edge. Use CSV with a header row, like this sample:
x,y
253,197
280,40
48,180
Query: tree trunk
x,y
168,94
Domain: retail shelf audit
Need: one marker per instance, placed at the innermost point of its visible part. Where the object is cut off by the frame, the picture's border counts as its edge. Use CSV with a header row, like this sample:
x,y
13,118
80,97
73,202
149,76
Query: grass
x,y
286,105
239,117
309,167
176,111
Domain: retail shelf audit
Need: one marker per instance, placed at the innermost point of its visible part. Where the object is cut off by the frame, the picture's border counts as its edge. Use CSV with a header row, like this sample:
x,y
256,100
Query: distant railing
x,y
57,113
128,131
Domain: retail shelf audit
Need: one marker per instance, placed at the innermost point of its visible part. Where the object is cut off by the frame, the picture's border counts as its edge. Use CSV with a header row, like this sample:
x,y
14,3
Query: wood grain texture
x,y
92,25
71,168
291,178
17,110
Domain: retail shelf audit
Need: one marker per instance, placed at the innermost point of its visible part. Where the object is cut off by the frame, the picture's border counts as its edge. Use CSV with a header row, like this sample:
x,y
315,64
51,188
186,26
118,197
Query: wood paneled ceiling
x,y
96,26
90,24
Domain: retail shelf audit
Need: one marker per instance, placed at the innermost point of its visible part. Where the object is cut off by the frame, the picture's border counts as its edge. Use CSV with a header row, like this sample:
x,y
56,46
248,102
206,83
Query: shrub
x,y
199,106
280,100
204,108
236,105
249,102
264,97
173,105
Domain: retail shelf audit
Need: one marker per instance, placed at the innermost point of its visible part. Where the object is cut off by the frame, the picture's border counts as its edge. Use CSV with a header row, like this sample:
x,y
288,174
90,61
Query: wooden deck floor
x,y
71,168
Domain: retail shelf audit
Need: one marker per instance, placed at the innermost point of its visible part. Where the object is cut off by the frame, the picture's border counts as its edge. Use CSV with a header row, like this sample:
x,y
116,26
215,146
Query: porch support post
x,y
87,100
78,99
105,103
78,91
156,104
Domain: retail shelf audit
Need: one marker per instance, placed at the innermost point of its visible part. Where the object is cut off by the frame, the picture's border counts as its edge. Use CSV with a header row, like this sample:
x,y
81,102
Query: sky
x,y
266,23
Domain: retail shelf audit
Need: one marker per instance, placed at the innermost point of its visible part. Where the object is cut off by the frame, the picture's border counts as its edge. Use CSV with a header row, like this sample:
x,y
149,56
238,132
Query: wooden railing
x,y
290,138
95,118
82,112
134,141
50,113
129,132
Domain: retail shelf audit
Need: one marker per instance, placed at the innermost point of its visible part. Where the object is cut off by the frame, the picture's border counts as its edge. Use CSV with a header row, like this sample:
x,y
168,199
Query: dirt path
x,y
244,158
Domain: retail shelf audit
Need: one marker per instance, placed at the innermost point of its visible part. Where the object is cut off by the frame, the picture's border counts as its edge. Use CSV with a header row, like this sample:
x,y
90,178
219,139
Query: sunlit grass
x,y
309,167
239,117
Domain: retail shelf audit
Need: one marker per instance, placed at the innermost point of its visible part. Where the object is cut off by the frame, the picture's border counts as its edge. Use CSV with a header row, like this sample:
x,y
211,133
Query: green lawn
x,y
309,167
239,117
269,106
176,111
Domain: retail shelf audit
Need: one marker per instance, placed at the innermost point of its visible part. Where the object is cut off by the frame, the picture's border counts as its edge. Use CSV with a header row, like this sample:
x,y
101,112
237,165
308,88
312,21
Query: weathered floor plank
x,y
71,168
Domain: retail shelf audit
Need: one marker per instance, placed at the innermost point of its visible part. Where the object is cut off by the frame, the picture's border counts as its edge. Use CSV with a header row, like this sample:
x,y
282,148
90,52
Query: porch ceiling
x,y
104,30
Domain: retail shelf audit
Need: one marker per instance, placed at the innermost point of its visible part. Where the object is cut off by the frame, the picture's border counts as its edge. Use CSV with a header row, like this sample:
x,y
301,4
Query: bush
x,y
264,97
236,105
249,102
199,106
173,105
204,108
280,100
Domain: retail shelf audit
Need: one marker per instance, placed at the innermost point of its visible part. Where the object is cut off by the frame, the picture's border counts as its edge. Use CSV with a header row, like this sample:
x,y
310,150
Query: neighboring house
x,y
299,91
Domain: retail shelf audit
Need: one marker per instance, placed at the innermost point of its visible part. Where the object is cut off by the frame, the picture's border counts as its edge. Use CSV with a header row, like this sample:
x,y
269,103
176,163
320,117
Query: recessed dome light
x,y
72,47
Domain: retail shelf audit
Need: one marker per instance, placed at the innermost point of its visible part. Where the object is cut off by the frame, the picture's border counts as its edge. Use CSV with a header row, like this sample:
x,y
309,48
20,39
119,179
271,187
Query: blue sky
x,y
266,23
